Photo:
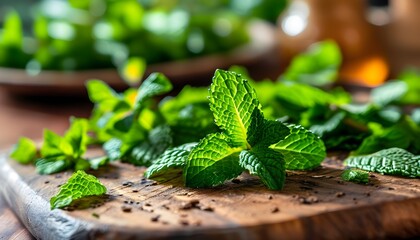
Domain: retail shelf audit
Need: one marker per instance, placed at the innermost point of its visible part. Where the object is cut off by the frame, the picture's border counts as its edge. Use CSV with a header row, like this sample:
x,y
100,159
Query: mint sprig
x,y
247,141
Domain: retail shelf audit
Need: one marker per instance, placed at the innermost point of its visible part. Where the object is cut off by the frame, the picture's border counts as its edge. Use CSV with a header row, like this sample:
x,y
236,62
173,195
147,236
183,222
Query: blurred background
x,y
49,48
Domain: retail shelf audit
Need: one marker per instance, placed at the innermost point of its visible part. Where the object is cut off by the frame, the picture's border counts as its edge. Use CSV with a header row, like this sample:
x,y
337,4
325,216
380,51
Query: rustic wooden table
x,y
28,117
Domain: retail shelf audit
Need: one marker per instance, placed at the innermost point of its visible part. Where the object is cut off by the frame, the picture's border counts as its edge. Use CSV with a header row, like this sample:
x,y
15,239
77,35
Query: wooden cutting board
x,y
313,205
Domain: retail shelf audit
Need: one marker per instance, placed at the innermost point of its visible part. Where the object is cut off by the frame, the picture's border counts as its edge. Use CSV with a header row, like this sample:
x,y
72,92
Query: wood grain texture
x,y
10,227
313,205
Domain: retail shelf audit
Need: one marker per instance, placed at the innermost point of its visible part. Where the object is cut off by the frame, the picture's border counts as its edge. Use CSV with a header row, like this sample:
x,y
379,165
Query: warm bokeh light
x,y
371,72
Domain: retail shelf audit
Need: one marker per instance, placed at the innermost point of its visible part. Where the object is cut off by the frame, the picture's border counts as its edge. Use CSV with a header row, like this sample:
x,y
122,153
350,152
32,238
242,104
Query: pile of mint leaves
x,y
238,124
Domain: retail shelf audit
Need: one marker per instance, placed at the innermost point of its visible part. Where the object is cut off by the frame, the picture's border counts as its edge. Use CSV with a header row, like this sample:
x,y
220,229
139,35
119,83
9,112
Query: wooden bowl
x,y
196,71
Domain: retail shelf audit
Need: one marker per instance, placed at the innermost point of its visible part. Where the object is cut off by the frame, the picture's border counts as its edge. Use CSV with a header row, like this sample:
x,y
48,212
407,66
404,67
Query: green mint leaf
x,y
159,139
233,101
100,92
212,162
77,136
301,149
328,126
405,134
267,132
24,151
392,161
265,163
318,66
112,149
412,79
55,145
389,92
415,115
172,159
193,122
355,175
52,165
156,84
12,35
124,124
96,163
171,107
79,185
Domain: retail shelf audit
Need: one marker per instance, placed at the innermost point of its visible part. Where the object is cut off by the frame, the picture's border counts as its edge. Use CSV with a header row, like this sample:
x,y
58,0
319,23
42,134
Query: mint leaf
x,y
24,151
355,175
78,186
52,165
301,149
328,126
100,92
156,84
112,149
232,101
389,92
269,133
12,35
77,136
415,115
96,163
318,66
192,123
55,145
392,161
265,163
405,134
172,159
159,139
212,162
412,79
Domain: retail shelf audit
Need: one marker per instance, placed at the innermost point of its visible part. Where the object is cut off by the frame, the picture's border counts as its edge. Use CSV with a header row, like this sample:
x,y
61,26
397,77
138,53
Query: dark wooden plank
x,y
313,205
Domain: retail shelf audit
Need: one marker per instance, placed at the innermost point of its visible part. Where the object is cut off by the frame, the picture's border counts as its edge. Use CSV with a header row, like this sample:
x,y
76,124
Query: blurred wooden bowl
x,y
196,71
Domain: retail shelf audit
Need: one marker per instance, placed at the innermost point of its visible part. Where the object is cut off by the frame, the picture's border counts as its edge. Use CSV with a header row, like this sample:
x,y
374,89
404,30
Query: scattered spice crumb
x,y
368,194
155,218
126,208
190,204
135,190
372,176
391,188
208,209
184,215
165,206
95,215
46,182
198,223
340,194
275,210
147,204
184,222
312,199
164,222
270,197
127,183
